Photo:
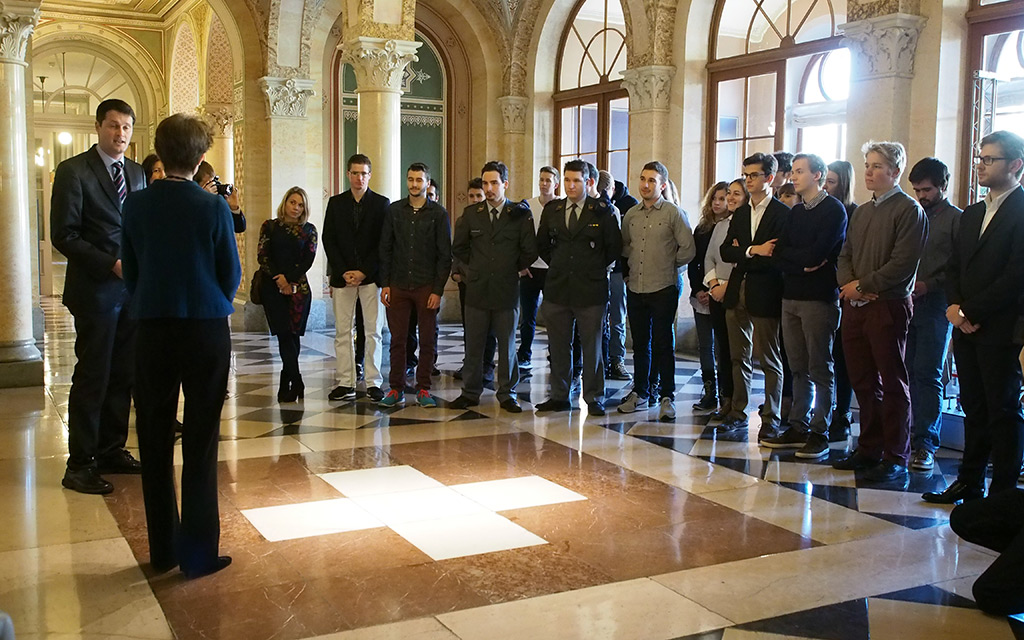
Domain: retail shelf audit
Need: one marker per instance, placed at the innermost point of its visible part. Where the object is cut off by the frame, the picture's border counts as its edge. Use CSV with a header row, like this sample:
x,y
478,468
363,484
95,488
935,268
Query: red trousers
x,y
402,302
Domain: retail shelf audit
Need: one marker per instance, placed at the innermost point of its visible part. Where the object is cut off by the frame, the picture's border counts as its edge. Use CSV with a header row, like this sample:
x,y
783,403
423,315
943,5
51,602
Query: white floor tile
x,y
517,493
411,506
466,536
368,482
324,517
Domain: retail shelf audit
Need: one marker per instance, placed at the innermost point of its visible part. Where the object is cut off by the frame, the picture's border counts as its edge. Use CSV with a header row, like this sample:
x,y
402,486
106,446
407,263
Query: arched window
x,y
765,55
591,107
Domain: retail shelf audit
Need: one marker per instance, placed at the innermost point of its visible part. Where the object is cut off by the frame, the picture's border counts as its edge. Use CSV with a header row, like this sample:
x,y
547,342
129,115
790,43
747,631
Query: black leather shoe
x,y
86,480
886,472
220,563
510,405
375,394
118,461
954,493
733,424
595,408
554,405
462,402
854,462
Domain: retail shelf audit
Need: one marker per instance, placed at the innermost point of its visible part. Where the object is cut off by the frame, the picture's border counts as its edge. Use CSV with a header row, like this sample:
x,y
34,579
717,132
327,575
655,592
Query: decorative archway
x,y
183,80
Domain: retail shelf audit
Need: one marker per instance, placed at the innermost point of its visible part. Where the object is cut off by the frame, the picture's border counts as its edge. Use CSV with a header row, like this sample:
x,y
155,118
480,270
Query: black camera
x,y
223,190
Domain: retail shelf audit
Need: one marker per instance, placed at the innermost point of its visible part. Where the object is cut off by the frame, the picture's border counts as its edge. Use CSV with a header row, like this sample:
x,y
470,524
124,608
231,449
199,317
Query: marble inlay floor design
x,y
348,521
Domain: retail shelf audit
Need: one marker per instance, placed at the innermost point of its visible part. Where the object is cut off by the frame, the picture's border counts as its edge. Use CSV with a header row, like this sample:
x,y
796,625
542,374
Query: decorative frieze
x,y
287,97
883,46
650,87
17,22
379,64
513,113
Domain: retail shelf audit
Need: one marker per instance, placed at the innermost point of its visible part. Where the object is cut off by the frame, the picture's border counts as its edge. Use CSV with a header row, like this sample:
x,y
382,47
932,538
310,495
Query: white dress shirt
x,y
992,204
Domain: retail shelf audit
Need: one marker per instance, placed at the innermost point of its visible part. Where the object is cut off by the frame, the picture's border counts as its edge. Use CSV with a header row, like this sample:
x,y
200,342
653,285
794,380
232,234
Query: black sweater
x,y
810,237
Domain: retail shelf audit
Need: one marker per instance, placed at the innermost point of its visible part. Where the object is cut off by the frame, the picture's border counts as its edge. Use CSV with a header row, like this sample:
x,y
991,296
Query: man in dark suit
x,y
495,242
578,237
85,226
753,297
985,286
351,238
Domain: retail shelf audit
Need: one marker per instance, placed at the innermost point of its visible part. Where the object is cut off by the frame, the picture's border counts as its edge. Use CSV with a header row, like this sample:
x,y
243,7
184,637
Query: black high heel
x,y
284,390
298,388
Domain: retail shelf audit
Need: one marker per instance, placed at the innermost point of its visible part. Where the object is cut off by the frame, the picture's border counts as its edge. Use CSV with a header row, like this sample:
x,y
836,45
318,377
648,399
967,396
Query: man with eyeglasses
x,y
985,286
753,297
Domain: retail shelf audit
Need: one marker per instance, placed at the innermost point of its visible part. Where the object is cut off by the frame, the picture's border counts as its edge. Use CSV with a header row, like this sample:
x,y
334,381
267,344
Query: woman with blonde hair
x,y
286,251
712,211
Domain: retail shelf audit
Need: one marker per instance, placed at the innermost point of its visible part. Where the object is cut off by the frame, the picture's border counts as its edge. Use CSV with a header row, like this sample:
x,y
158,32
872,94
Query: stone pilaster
x,y
883,48
515,147
378,64
649,89
286,97
21,364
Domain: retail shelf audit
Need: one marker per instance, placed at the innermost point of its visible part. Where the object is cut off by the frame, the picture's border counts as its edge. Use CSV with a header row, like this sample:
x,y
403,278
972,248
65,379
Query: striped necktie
x,y
119,184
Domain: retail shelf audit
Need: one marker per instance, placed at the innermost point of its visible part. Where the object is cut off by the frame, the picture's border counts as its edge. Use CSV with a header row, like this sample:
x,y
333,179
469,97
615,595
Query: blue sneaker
x,y
424,399
393,399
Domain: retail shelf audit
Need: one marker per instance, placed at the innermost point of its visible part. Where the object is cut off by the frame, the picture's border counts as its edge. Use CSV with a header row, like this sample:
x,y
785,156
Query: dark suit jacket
x,y
85,226
764,280
491,259
578,261
350,246
985,275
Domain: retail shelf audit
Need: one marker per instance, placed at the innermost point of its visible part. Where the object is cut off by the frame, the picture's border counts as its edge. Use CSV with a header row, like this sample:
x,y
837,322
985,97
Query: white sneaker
x,y
666,410
632,403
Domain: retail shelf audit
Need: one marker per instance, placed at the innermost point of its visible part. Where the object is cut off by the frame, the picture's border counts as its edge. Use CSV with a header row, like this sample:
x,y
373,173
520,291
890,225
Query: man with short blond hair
x,y
532,283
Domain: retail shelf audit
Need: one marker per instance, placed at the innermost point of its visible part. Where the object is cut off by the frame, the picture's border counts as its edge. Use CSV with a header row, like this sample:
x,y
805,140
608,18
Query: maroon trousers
x,y
874,341
402,303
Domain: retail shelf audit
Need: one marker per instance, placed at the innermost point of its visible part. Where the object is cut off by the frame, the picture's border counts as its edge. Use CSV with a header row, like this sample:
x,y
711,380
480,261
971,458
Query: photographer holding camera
x,y
208,179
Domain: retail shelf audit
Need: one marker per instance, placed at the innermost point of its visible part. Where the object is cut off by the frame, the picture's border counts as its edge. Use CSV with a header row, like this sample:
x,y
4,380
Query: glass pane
x,y
763,33
822,140
618,124
816,18
761,105
730,108
588,128
571,56
590,157
764,145
1003,53
732,30
618,166
727,161
570,131
835,75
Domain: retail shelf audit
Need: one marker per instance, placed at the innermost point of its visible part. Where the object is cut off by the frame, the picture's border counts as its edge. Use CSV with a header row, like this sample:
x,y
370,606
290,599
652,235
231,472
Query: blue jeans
x,y
927,342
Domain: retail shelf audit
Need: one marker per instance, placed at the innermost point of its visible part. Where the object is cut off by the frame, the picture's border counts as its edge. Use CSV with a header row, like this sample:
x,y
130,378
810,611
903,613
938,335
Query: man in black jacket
x,y
351,238
85,226
495,242
753,297
578,237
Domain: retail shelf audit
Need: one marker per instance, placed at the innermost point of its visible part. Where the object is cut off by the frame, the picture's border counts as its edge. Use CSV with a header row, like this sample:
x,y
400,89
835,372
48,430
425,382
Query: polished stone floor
x,y
347,521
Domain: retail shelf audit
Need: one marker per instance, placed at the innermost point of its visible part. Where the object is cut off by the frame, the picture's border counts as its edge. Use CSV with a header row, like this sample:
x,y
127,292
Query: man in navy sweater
x,y
806,253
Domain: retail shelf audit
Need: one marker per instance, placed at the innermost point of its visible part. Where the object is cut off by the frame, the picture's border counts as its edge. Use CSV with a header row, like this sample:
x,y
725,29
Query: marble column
x,y
649,91
21,364
378,64
222,154
883,49
513,148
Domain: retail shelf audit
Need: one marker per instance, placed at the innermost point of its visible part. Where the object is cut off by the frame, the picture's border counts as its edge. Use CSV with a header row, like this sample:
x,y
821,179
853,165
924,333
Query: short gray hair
x,y
893,152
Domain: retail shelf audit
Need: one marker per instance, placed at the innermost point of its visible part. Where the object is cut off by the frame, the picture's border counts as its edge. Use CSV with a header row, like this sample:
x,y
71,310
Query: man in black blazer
x,y
985,286
753,298
495,243
85,226
579,238
351,239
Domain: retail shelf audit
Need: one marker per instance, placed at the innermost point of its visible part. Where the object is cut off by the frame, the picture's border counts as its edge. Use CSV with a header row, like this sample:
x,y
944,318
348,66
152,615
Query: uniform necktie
x,y
119,185
573,218
494,218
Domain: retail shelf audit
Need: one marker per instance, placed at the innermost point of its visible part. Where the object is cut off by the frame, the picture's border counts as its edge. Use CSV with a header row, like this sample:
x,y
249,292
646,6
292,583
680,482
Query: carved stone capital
x,y
221,118
649,87
513,113
378,63
17,22
286,97
883,46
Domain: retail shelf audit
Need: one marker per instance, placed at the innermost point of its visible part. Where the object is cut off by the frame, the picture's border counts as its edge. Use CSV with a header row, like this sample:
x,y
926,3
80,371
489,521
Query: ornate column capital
x,y
379,64
286,97
18,20
649,87
513,113
220,116
883,46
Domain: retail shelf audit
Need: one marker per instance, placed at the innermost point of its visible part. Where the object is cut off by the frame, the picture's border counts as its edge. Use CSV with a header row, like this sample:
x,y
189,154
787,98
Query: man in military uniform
x,y
578,237
495,243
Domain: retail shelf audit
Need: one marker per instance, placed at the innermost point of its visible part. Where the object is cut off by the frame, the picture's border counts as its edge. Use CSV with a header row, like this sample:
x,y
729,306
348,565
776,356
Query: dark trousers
x,y
844,392
997,522
652,324
990,379
360,341
875,340
490,343
288,345
560,321
481,326
403,303
530,288
723,357
198,353
412,343
705,346
101,386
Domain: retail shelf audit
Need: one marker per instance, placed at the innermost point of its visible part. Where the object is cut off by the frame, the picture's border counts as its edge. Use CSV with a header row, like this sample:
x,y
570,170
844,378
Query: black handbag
x,y
255,295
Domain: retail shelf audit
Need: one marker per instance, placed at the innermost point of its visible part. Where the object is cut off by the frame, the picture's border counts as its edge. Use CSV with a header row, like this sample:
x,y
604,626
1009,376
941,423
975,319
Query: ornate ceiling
x,y
148,10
